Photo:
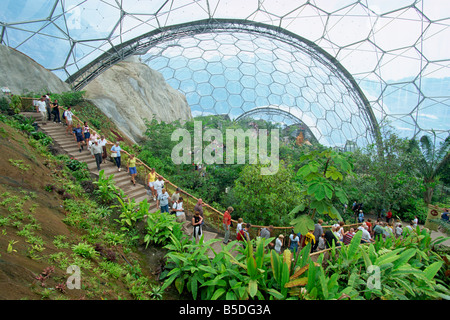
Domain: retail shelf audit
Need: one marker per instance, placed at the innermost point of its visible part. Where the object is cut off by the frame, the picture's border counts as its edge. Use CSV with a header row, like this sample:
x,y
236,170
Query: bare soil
x,y
25,172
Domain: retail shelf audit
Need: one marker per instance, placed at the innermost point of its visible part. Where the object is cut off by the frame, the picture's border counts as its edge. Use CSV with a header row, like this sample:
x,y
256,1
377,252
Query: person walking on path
x,y
279,243
78,134
48,107
102,142
197,221
86,132
41,108
175,196
199,206
318,231
361,216
158,185
227,224
151,178
389,216
55,112
131,167
69,120
294,242
180,214
244,234
96,151
115,154
163,198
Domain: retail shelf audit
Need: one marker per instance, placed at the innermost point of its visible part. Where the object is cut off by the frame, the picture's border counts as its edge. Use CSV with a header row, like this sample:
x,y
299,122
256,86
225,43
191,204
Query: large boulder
x,y
21,74
130,92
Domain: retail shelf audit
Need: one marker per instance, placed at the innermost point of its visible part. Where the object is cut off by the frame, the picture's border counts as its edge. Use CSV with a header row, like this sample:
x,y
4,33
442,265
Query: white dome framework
x,y
394,56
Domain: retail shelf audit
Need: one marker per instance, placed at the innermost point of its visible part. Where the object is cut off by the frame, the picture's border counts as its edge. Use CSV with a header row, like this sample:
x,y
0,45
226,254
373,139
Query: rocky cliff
x,y
21,74
130,92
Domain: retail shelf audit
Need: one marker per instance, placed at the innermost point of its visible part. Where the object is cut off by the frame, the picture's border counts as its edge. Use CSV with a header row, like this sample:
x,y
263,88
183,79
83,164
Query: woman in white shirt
x,y
115,154
239,225
279,243
102,142
178,208
415,222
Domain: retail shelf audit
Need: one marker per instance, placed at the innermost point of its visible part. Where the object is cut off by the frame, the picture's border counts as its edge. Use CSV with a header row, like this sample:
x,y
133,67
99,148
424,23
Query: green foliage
x,y
321,176
431,160
85,250
4,104
15,104
160,228
189,267
302,224
266,198
130,212
404,268
386,178
69,98
106,189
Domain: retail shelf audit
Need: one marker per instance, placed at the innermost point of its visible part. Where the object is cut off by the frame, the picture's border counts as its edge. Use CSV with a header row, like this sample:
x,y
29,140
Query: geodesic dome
x,y
343,68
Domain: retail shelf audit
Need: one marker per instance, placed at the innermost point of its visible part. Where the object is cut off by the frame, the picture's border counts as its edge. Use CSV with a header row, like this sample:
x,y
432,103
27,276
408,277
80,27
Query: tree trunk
x,y
428,195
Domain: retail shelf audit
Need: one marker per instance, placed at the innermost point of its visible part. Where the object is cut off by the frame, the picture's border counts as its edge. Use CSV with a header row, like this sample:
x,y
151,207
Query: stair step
x,y
122,179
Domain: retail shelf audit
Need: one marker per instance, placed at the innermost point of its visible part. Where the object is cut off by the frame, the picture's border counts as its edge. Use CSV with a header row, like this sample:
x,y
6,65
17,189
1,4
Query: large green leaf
x,y
404,257
354,245
297,209
303,224
432,269
317,190
218,293
252,287
297,282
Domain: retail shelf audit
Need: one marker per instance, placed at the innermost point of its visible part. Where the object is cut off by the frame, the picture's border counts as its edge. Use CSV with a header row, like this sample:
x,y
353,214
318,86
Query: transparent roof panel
x,y
397,52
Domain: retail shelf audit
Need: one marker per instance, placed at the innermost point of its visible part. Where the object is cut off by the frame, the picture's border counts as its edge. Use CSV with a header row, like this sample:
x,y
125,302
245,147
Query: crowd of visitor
x,y
173,204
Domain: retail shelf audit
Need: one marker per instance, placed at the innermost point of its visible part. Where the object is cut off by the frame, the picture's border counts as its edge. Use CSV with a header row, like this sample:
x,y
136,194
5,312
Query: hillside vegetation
x,y
50,220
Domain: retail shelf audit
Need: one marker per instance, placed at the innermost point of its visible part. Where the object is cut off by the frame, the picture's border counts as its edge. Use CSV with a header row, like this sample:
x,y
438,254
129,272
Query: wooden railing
x,y
212,216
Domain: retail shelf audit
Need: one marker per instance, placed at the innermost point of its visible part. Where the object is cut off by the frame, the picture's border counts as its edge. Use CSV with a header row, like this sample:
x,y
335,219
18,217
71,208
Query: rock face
x,y
130,92
21,74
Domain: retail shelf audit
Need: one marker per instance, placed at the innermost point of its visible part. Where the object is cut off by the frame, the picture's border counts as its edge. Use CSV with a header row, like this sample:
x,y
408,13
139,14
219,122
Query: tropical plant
x,y
130,212
254,264
15,104
403,268
432,158
188,266
266,198
161,227
322,177
85,250
384,177
106,189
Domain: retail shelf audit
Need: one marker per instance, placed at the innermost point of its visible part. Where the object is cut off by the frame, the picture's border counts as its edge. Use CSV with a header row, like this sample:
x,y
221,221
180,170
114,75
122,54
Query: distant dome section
x,y
241,68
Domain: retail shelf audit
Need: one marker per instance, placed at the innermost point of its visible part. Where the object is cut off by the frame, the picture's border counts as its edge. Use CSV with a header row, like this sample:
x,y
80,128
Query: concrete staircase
x,y
122,179
68,143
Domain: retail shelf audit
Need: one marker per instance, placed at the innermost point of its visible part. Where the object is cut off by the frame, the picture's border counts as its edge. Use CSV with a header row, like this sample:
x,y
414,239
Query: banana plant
x,y
106,189
254,265
191,268
128,213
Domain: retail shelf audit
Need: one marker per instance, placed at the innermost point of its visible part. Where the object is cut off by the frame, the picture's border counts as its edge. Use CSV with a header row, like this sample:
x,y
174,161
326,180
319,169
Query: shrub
x,y
85,250
160,227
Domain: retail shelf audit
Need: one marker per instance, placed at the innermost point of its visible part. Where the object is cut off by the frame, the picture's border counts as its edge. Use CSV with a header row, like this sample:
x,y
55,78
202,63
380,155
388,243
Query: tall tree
x,y
432,159
387,180
266,199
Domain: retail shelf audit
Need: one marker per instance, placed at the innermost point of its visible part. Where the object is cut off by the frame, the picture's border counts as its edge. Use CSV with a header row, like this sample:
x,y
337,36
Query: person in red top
x,y
348,236
388,216
227,224
243,234
369,224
